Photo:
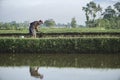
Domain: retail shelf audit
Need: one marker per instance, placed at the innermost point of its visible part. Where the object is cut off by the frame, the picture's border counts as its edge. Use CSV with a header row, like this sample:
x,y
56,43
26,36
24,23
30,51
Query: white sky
x,y
60,10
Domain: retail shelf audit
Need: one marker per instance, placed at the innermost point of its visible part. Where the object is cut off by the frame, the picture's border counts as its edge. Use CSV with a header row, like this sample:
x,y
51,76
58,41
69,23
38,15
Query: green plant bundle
x,y
60,45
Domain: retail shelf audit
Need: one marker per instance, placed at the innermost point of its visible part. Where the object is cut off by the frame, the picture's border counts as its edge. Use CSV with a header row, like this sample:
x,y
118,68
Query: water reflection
x,y
62,60
34,72
60,66
55,73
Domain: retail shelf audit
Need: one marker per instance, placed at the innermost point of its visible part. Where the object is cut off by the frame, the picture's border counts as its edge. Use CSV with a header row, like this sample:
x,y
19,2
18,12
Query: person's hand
x,y
37,30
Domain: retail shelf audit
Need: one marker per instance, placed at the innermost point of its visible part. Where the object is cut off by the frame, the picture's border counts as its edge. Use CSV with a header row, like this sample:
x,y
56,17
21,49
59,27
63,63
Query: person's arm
x,y
36,25
36,28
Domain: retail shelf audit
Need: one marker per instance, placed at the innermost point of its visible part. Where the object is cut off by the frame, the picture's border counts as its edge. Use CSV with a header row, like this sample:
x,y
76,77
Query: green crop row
x,y
60,45
64,30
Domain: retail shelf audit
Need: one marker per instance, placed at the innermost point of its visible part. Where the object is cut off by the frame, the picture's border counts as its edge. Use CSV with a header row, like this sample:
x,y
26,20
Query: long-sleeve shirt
x,y
34,25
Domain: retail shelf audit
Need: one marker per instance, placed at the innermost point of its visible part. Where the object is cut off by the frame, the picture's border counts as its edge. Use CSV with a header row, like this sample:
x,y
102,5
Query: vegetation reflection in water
x,y
62,60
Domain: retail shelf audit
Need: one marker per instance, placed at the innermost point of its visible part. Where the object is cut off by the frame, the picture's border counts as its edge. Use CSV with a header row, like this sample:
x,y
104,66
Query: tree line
x,y
110,18
13,25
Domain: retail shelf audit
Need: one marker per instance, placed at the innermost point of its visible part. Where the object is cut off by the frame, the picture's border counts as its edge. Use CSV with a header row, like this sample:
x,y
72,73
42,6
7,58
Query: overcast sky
x,y
60,10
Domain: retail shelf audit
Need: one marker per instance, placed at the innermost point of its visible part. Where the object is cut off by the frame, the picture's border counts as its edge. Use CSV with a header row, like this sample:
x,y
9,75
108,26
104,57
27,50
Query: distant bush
x,y
60,45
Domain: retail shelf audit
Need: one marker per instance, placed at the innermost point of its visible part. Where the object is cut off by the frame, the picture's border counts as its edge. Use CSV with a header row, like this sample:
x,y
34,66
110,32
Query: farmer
x,y
34,27
34,72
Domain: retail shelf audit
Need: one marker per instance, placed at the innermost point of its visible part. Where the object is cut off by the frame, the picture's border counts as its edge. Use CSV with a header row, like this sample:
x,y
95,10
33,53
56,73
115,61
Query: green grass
x,y
60,45
62,30
13,31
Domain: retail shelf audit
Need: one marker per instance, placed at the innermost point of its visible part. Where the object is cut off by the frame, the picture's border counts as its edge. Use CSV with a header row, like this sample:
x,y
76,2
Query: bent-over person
x,y
34,72
33,28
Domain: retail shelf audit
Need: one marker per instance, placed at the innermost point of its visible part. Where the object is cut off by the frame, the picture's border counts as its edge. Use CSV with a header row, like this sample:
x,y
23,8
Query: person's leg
x,y
30,30
34,33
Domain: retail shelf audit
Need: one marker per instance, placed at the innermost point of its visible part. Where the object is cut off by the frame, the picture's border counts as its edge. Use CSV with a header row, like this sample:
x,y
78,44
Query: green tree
x,y
117,6
6,26
1,25
49,23
113,18
109,13
91,11
13,25
73,23
86,13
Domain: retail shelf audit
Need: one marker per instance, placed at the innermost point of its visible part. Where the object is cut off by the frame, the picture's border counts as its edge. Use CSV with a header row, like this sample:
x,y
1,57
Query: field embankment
x,y
60,45
69,34
63,32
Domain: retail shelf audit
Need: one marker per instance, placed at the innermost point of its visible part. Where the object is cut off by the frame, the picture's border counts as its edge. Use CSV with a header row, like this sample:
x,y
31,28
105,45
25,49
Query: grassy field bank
x,y
62,30
60,45
61,40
